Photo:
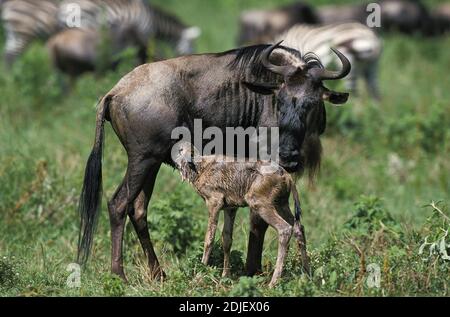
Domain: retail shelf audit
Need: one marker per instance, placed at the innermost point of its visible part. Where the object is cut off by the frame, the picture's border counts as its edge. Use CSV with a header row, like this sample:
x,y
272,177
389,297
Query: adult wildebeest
x,y
226,184
330,14
440,20
406,16
259,26
75,51
257,86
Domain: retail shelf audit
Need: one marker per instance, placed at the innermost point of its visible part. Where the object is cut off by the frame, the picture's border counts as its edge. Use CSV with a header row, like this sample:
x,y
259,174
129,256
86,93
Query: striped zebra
x,y
168,28
147,21
27,20
360,44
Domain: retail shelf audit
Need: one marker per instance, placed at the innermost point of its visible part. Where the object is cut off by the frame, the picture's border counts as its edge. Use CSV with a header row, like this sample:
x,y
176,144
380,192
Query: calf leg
x,y
258,228
227,239
299,234
214,209
138,217
284,230
138,169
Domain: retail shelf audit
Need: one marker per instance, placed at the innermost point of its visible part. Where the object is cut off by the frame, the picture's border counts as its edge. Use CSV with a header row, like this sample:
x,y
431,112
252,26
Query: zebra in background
x,y
360,44
168,28
137,18
28,20
75,51
25,21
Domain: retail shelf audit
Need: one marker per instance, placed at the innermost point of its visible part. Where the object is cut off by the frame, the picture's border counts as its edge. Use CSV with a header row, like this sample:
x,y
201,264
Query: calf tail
x,y
299,231
90,198
298,209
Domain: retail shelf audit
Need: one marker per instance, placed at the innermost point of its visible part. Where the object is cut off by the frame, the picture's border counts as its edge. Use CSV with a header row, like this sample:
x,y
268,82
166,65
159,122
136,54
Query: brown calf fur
x,y
226,185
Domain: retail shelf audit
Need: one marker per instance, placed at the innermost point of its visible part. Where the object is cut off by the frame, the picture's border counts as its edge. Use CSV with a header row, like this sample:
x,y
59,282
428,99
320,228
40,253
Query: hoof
x,y
158,275
120,274
272,284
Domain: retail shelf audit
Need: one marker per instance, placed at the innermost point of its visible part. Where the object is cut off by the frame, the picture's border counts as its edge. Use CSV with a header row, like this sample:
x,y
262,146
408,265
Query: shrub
x,y
247,287
436,229
371,216
113,286
172,222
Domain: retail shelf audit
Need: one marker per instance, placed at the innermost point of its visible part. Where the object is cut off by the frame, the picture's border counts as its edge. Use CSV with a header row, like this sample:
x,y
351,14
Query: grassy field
x,y
370,211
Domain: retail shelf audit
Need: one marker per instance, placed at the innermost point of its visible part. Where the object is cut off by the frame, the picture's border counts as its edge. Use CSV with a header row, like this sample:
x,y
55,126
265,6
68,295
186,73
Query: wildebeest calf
x,y
226,184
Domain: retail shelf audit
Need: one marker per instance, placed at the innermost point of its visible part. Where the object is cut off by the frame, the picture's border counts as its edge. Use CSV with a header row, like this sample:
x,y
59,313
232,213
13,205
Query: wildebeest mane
x,y
249,57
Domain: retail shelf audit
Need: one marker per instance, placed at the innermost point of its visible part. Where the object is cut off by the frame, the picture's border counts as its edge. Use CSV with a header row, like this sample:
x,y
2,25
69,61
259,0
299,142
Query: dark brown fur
x,y
238,88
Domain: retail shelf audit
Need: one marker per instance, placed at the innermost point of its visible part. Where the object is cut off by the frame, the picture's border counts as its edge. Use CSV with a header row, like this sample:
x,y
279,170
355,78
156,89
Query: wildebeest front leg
x,y
227,239
214,209
138,217
258,228
137,171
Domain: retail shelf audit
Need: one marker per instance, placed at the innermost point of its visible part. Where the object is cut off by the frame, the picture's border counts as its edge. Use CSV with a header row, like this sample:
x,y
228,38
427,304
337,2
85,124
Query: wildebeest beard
x,y
301,121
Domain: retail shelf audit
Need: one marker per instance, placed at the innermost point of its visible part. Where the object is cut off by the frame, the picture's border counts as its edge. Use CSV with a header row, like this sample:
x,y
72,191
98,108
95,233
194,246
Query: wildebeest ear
x,y
334,97
261,88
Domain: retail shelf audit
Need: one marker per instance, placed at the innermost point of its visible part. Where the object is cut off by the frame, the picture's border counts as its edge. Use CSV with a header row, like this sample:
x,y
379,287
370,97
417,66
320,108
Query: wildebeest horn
x,y
281,70
324,74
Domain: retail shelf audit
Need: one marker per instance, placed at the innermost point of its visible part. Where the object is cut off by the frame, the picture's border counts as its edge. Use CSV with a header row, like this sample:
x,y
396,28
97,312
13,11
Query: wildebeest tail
x,y
91,194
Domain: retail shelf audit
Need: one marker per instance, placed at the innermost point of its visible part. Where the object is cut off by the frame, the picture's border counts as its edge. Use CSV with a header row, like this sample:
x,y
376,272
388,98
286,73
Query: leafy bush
x,y
113,286
172,222
370,216
247,287
436,243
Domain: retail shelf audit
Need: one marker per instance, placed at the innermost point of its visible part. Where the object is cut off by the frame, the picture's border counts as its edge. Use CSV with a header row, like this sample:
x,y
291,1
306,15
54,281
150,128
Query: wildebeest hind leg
x,y
135,177
258,228
138,217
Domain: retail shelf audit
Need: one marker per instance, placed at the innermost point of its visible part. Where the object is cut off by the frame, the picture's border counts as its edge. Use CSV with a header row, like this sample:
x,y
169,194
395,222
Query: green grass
x,y
382,164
